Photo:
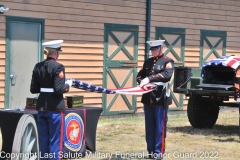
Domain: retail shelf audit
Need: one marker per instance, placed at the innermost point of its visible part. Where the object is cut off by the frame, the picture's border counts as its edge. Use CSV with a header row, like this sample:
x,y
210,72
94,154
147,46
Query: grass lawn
x,y
121,138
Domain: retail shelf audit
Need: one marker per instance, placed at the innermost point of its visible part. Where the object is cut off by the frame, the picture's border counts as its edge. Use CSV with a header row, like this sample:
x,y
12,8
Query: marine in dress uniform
x,y
158,69
48,79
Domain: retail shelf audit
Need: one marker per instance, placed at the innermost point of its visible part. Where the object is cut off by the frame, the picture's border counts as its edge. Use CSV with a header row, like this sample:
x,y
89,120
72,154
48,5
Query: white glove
x,y
144,82
69,82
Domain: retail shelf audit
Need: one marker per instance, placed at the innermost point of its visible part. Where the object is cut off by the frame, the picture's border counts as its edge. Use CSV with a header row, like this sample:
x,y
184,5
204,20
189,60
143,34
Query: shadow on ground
x,y
230,130
217,130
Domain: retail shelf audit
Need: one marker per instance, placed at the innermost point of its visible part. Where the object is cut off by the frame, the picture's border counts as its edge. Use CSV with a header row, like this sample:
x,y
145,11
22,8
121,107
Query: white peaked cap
x,y
53,44
155,43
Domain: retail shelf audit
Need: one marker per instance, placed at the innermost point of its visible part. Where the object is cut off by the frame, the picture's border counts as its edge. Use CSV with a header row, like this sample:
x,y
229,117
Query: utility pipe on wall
x,y
148,26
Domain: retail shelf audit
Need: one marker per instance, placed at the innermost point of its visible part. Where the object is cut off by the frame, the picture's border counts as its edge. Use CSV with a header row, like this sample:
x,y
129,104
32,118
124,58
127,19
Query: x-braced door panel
x,y
174,47
212,45
120,66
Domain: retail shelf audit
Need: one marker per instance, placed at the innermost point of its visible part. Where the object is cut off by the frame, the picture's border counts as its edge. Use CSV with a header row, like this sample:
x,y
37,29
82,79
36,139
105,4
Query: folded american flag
x,y
228,61
130,90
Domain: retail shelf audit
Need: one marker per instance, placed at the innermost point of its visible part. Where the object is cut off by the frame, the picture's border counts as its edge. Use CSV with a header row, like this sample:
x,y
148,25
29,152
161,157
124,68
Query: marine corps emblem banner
x,y
74,136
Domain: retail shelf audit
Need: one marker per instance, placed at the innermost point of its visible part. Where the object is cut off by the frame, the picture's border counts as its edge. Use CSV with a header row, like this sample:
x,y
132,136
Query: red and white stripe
x,y
135,90
232,61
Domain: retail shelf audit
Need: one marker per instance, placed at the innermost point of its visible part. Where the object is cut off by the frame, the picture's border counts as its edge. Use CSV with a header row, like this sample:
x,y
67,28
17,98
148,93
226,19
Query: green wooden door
x,y
120,66
212,45
174,47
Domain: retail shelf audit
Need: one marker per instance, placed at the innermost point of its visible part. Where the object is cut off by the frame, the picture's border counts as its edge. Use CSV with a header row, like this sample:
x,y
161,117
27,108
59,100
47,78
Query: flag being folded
x,y
130,90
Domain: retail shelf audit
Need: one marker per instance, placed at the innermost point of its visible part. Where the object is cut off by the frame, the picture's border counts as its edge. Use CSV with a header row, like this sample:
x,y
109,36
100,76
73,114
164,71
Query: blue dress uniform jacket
x,y
49,74
157,69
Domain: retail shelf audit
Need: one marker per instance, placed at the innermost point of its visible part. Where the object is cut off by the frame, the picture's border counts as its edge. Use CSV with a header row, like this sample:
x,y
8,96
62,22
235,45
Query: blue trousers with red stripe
x,y
155,126
51,133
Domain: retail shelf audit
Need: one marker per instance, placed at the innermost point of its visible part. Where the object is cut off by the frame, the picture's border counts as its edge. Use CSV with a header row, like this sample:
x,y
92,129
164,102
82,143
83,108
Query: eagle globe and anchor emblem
x,y
74,132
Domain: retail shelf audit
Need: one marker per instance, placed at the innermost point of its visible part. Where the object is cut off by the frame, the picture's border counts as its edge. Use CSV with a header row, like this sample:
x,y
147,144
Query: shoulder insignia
x,y
169,65
61,75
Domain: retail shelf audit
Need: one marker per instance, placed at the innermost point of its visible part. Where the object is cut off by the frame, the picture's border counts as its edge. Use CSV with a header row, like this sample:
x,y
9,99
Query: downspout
x,y
148,26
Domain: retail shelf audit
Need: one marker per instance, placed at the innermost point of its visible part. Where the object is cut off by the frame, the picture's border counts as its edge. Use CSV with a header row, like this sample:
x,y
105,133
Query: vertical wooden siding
x,y
80,24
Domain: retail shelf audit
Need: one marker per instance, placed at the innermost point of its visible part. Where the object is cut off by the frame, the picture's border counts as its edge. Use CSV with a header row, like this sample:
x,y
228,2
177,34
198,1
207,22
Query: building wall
x,y
194,15
80,23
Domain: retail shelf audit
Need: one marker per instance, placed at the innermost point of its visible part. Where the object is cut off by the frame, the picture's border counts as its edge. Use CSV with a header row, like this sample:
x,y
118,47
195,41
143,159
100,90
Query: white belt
x,y
165,85
160,83
46,90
